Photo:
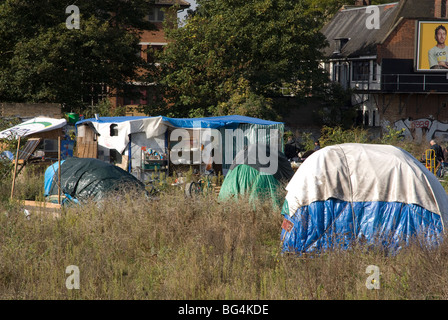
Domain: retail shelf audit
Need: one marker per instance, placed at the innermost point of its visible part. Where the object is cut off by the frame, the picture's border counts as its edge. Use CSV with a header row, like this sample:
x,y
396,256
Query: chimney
x,y
360,3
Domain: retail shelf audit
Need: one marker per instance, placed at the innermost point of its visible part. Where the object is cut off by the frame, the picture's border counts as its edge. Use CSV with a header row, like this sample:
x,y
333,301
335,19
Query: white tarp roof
x,y
32,126
366,172
152,126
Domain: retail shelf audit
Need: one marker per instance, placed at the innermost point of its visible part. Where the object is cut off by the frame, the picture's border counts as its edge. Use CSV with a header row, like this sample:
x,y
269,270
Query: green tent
x,y
248,176
84,179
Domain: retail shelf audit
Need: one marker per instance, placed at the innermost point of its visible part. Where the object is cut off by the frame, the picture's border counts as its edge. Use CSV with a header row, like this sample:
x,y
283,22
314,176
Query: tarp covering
x,y
231,121
258,178
32,126
125,126
89,179
125,134
155,126
244,180
261,157
50,176
374,193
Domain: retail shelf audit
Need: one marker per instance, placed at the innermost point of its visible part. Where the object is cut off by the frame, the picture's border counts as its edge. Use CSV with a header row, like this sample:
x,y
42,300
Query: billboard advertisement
x,y
431,46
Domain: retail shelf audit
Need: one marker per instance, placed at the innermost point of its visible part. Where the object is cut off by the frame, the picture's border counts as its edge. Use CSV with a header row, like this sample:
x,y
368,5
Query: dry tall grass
x,y
180,248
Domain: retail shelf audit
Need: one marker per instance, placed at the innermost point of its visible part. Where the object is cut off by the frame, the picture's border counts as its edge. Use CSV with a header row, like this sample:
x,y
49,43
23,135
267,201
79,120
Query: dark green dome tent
x,y
251,174
89,179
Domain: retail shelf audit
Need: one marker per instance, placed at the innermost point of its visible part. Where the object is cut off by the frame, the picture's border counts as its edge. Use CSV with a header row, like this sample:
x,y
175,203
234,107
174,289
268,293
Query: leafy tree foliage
x,y
41,60
244,102
265,43
335,107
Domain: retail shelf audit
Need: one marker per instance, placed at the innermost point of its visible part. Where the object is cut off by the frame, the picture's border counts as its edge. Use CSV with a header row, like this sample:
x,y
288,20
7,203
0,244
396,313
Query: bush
x,y
337,135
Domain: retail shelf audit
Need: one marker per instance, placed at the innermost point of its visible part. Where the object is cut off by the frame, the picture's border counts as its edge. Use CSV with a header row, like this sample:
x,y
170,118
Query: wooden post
x,y
59,169
15,169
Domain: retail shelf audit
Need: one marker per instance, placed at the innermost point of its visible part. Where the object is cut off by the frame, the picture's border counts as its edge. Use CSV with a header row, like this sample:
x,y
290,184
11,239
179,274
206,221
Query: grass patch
x,y
181,248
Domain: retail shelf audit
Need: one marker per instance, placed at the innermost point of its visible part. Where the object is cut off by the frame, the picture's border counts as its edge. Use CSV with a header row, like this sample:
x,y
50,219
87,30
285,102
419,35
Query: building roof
x,y
182,3
350,23
415,9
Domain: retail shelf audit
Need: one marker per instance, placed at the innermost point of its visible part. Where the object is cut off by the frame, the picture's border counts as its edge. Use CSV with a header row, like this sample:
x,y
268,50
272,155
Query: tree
x,y
41,60
244,102
270,44
335,107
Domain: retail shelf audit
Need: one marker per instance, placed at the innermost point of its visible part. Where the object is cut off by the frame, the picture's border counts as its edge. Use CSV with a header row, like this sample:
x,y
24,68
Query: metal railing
x,y
414,82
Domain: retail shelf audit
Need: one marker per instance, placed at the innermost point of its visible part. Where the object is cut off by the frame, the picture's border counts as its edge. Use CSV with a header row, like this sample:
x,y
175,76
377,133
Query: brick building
x,y
382,53
150,40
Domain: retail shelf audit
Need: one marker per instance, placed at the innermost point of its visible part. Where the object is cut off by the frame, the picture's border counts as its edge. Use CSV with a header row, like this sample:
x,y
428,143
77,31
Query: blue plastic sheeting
x,y
111,119
48,177
7,155
230,122
336,224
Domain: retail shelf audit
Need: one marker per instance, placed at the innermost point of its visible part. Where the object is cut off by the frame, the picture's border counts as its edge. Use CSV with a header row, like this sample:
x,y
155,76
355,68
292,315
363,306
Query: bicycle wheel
x,y
208,188
192,189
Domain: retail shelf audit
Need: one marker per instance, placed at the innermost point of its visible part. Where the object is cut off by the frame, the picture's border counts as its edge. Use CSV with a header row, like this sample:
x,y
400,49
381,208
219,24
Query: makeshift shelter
x,y
44,143
39,126
374,194
85,179
142,144
257,172
42,134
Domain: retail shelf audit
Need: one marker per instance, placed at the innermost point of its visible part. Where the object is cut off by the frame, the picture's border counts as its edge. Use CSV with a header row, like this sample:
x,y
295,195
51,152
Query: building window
x,y
360,71
336,72
374,71
341,74
156,15
443,9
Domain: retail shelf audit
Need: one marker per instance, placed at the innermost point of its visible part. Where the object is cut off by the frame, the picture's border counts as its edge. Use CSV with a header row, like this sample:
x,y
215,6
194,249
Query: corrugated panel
x,y
28,149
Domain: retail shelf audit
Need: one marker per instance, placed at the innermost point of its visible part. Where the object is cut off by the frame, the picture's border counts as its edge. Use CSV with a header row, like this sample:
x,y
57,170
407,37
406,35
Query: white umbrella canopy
x,y
32,126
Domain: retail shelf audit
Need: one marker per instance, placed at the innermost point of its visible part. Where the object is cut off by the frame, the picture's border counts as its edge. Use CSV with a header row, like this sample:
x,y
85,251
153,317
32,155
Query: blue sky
x,y
192,6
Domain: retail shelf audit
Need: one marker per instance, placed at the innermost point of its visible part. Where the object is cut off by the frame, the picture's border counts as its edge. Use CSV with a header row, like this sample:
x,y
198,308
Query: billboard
x,y
431,46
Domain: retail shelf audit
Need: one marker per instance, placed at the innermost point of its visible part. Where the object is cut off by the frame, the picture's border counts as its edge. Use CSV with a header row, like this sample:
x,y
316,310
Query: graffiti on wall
x,y
424,129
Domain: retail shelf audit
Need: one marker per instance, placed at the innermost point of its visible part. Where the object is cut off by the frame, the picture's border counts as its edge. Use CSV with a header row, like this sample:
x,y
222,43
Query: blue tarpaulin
x,y
208,122
230,122
338,224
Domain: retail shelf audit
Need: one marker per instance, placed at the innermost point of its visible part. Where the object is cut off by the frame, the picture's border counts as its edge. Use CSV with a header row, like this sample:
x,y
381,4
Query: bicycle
x,y
203,185
151,187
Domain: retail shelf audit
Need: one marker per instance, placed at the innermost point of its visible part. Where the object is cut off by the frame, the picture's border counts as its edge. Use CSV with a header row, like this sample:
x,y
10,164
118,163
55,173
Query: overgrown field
x,y
180,248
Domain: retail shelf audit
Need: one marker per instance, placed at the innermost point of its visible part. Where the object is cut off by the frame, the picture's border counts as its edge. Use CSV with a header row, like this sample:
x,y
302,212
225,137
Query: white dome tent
x,y
375,193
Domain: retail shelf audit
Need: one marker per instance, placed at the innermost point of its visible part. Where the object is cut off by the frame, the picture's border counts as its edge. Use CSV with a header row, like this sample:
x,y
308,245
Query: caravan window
x,y
113,130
